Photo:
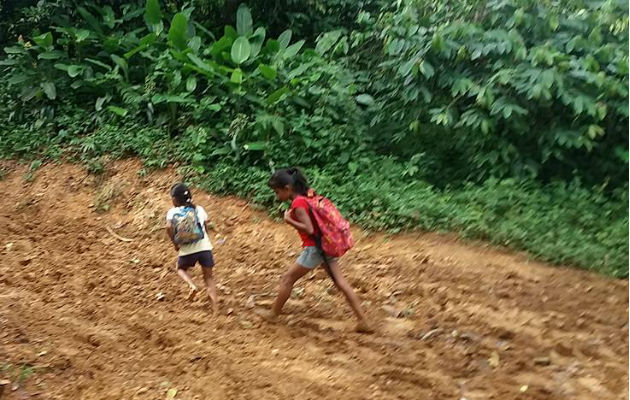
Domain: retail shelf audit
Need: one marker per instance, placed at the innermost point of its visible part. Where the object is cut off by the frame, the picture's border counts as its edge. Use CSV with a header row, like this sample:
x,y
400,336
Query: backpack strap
x,y
196,216
318,244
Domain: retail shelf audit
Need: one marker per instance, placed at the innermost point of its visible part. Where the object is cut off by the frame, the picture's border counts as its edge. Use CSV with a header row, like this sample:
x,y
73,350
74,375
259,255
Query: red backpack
x,y
335,237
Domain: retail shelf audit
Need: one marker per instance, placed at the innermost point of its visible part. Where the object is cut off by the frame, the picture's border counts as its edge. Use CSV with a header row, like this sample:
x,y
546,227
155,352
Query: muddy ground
x,y
87,315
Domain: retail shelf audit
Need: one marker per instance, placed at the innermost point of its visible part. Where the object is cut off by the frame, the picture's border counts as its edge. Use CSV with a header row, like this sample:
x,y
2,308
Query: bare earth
x,y
96,317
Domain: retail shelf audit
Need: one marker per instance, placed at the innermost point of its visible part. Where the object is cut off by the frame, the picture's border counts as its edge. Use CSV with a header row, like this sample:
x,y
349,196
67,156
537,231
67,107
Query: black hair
x,y
292,177
182,195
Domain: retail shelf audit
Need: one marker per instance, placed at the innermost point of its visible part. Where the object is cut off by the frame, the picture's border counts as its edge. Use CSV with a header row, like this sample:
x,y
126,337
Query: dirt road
x,y
86,315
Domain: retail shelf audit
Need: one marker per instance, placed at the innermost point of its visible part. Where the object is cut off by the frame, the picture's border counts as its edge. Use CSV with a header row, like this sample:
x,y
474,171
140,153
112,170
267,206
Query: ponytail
x,y
300,184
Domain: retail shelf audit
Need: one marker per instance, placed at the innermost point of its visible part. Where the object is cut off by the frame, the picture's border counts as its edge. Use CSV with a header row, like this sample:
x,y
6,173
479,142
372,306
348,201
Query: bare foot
x,y
363,327
267,315
192,293
214,302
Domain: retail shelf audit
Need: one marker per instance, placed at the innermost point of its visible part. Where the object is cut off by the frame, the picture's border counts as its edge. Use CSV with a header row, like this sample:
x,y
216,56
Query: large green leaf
x,y
96,62
121,63
202,65
178,32
14,50
152,13
62,67
547,78
405,68
292,50
16,79
50,90
44,40
275,96
268,72
108,17
191,83
240,50
230,33
74,70
237,76
221,151
118,110
99,103
220,46
365,99
594,131
51,55
327,41
426,69
194,44
29,92
271,47
284,39
81,35
278,126
256,41
255,146
244,21
148,40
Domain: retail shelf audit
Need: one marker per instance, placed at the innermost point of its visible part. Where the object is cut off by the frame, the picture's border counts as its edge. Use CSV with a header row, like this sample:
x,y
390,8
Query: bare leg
x,y
186,277
211,288
351,297
289,278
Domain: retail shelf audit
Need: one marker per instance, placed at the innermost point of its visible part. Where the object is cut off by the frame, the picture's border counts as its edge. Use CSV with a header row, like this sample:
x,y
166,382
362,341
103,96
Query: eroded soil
x,y
80,316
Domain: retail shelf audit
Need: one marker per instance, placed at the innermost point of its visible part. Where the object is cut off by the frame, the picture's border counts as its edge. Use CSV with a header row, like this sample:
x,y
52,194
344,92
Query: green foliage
x,y
152,13
178,32
19,374
560,223
244,21
521,88
240,50
309,18
139,73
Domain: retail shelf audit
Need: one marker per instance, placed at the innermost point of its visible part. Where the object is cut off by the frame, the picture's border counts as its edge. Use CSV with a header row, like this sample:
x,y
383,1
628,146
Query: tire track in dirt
x,y
80,307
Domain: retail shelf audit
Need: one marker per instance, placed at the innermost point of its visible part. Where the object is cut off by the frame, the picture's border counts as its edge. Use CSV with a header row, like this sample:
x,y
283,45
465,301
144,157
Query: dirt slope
x,y
79,308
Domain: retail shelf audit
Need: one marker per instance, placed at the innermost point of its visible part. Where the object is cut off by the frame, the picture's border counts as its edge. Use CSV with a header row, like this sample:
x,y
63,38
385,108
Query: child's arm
x,y
207,224
171,234
302,222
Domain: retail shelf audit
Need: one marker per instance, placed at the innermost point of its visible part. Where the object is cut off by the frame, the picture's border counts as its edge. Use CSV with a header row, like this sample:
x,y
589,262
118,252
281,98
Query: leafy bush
x,y
237,93
561,223
518,88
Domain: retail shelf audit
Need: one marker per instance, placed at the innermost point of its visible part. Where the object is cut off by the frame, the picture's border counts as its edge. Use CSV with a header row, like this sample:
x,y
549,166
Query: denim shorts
x,y
311,258
204,258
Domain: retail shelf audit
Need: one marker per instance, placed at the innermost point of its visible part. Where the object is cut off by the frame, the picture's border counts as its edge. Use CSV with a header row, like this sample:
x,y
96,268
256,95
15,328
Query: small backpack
x,y
187,227
335,238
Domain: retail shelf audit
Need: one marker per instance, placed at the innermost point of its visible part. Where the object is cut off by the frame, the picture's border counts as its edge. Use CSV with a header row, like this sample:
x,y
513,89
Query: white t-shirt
x,y
200,245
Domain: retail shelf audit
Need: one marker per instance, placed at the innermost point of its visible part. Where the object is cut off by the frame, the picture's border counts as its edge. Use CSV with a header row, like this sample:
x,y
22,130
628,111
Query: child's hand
x,y
287,215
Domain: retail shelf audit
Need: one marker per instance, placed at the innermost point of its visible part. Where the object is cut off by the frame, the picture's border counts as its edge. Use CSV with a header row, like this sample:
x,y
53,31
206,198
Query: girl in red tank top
x,y
290,185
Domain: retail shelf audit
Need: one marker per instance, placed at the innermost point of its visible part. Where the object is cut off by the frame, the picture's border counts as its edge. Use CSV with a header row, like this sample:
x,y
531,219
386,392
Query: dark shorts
x,y
204,258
